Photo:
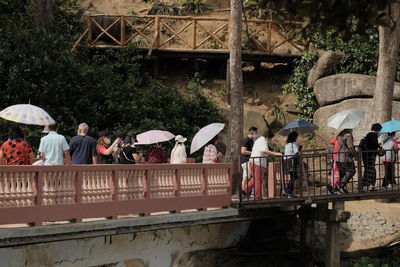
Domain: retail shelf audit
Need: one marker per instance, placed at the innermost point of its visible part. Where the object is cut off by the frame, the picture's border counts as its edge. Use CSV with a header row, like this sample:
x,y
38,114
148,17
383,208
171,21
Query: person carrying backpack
x,y
389,158
370,147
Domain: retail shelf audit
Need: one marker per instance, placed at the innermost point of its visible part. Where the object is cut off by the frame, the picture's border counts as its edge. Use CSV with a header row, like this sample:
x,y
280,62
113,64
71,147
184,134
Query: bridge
x,y
193,37
126,199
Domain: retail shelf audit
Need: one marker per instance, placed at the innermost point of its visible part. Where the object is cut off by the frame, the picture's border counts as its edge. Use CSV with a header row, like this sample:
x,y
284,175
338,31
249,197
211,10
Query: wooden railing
x,y
35,194
189,33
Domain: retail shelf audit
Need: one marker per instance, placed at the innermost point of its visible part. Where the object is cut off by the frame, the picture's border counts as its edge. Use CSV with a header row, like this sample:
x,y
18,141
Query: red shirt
x,y
16,152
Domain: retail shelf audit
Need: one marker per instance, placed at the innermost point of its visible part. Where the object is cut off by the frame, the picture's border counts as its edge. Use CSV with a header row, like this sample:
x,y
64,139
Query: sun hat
x,y
180,139
46,129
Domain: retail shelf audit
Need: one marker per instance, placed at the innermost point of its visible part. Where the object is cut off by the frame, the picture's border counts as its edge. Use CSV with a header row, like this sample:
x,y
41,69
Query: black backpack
x,y
363,144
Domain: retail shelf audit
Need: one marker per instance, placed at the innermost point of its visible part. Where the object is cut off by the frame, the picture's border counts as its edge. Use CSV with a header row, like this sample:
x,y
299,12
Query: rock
x,y
335,88
324,66
325,133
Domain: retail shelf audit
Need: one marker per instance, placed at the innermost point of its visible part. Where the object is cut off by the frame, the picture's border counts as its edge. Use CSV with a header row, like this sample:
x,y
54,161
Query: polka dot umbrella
x,y
27,114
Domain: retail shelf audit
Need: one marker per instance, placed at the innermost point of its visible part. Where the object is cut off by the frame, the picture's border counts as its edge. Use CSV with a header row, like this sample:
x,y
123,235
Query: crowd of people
x,y
254,152
84,149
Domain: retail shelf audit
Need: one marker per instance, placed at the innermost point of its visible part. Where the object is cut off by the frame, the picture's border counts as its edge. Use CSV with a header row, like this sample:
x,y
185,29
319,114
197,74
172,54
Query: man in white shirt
x,y
258,162
53,147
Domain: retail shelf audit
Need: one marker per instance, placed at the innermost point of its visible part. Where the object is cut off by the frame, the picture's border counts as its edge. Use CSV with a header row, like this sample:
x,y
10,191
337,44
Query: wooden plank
x,y
176,34
123,31
213,35
105,31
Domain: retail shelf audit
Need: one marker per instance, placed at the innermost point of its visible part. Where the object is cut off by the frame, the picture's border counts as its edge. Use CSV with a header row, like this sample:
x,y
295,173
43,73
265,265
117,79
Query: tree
x,y
236,90
389,38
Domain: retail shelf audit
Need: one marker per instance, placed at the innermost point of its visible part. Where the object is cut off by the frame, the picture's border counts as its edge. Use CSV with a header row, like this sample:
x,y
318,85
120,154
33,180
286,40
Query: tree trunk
x,y
389,38
236,91
42,13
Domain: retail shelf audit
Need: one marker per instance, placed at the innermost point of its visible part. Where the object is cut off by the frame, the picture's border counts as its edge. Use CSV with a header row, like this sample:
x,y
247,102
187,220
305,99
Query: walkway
x,y
202,36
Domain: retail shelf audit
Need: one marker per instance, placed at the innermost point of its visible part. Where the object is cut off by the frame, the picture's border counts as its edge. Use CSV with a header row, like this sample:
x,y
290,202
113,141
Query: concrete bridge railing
x,y
35,194
183,33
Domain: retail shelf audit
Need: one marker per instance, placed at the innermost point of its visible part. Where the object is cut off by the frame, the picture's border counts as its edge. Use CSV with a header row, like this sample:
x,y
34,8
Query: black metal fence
x,y
320,173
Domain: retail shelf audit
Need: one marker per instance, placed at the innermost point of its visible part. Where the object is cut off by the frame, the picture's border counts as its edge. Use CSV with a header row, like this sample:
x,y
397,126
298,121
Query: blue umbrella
x,y
390,127
301,127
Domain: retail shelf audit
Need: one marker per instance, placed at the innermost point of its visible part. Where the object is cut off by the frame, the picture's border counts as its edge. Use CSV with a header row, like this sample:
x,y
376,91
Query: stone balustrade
x,y
35,194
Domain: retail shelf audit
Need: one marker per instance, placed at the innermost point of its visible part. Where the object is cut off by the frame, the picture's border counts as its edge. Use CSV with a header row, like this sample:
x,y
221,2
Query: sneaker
x,y
384,188
390,187
285,192
291,196
330,189
342,189
371,188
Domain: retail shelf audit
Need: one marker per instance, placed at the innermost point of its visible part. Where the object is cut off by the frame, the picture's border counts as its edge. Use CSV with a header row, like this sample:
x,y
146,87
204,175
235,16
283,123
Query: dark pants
x,y
389,174
290,186
346,171
369,176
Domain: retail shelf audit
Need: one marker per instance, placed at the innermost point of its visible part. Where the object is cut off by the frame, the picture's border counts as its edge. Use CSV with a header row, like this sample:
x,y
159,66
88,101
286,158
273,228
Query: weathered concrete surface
x,y
29,235
325,133
153,248
335,88
324,66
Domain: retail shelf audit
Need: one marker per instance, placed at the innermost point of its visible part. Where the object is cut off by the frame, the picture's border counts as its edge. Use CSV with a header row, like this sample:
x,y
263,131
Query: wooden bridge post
x,y
90,32
157,28
332,249
194,44
122,31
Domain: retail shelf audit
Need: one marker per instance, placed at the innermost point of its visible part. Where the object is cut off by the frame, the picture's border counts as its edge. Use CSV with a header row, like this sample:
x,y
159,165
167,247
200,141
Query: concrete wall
x,y
157,248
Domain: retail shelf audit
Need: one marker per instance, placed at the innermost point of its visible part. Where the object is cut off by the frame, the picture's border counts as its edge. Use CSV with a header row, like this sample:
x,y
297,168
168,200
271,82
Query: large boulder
x,y
335,88
325,66
321,116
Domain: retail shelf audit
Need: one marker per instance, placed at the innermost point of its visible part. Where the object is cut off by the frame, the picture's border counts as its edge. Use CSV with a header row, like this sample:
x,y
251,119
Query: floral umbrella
x,y
27,114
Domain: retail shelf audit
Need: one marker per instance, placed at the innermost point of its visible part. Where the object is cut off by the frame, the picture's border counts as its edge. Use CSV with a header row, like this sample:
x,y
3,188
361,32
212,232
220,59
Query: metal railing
x,y
189,33
317,175
36,194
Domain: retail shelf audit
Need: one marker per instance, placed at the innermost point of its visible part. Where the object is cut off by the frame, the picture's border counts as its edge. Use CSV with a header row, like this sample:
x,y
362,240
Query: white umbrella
x,y
204,135
26,114
153,137
348,119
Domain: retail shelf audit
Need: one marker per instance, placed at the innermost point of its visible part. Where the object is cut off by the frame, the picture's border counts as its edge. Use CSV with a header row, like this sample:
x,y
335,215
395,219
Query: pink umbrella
x,y
154,136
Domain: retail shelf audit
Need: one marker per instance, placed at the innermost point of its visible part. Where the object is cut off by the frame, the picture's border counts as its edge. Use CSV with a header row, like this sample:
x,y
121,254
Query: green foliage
x,y
367,262
108,89
360,52
330,14
195,7
305,98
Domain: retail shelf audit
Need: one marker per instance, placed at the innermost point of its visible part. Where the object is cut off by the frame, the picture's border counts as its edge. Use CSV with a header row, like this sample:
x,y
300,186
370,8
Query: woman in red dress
x,y
16,151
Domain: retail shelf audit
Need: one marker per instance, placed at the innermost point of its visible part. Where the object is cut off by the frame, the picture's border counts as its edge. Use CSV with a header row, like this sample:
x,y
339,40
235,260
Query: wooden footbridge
x,y
193,37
